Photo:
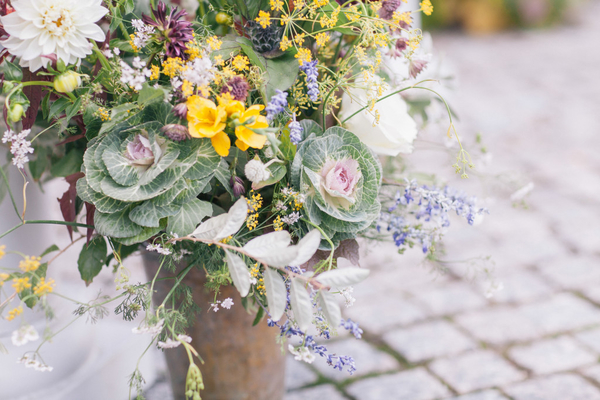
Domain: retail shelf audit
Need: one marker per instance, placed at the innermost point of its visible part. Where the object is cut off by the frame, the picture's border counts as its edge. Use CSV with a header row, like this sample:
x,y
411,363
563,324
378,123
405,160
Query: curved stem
x,y
12,199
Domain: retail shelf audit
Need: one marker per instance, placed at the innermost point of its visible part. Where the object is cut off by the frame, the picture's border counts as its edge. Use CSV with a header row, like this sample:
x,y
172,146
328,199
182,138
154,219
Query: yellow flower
x,y
322,38
285,43
214,42
172,66
303,55
399,17
187,88
205,119
251,119
426,7
30,264
155,72
264,19
3,277
286,19
67,82
277,5
240,62
44,287
2,251
14,312
231,106
299,39
21,284
277,224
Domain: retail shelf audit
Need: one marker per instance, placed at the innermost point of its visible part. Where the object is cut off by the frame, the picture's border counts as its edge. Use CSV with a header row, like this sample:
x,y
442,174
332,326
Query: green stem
x,y
12,229
330,258
103,60
12,199
54,222
183,274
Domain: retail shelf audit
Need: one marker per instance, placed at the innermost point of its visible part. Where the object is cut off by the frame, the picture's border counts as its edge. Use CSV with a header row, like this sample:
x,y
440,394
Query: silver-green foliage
x,y
134,204
336,143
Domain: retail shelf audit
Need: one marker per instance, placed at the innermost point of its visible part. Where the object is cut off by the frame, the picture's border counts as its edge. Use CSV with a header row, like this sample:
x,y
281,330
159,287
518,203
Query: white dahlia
x,y
52,27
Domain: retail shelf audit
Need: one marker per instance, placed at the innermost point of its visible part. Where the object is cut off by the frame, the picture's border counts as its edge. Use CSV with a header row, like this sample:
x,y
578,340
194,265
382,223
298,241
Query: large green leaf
x,y
103,203
92,258
281,74
149,215
189,216
117,225
119,167
69,164
144,235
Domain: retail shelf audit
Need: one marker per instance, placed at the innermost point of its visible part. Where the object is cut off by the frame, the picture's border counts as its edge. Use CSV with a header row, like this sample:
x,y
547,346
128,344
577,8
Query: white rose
x,y
395,131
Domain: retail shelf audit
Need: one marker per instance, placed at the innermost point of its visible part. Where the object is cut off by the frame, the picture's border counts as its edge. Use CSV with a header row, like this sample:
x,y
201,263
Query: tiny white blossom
x,y
19,147
302,354
169,344
214,306
291,219
280,205
152,329
24,335
199,72
117,51
349,300
108,53
227,303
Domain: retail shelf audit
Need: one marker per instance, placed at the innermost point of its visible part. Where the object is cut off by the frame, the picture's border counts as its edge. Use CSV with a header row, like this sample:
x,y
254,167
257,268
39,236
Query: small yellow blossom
x,y
187,88
132,44
21,284
285,43
155,72
352,13
172,66
219,61
299,4
240,63
426,7
401,17
254,202
3,277
277,224
103,114
286,19
322,38
2,251
14,312
30,264
44,287
303,55
299,39
193,50
214,42
264,19
252,221
320,3
276,5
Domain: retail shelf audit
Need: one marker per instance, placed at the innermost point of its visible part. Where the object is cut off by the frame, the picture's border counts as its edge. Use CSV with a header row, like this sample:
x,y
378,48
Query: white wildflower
x,y
142,34
108,53
348,299
19,147
227,303
214,306
159,249
199,72
24,335
286,191
280,205
134,78
31,362
291,219
61,27
151,329
302,354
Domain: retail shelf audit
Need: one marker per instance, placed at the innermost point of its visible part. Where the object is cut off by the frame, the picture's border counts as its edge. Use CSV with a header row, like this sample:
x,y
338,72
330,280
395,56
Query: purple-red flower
x,y
171,28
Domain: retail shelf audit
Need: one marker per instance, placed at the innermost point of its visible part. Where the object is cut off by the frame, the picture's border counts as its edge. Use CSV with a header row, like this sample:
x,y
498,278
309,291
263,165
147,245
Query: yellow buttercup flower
x,y
30,264
251,119
206,120
231,106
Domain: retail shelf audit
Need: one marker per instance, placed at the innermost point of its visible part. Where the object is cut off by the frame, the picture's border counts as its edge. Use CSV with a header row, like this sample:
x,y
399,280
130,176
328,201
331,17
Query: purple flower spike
x,y
174,31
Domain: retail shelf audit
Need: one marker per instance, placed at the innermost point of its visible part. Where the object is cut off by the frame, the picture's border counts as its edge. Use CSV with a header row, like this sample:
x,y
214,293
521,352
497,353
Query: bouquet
x,y
244,138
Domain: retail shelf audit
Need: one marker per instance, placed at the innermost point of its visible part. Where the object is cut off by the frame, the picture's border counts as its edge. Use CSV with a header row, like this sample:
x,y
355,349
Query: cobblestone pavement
x,y
535,97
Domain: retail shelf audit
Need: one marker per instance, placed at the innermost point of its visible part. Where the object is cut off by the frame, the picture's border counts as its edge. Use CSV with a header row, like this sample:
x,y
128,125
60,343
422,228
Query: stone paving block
x,y
414,384
298,374
552,355
592,293
522,286
483,395
450,298
591,338
479,369
592,372
381,312
320,392
563,312
428,340
498,326
367,359
555,387
573,272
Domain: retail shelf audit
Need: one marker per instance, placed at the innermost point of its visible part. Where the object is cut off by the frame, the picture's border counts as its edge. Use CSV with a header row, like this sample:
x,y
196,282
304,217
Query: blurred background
x,y
523,78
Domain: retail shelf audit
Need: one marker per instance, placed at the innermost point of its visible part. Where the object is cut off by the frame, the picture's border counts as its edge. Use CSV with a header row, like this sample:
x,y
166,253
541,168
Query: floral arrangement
x,y
244,138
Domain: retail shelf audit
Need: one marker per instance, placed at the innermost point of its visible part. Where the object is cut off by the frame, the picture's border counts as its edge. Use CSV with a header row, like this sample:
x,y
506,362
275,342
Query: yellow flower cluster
x,y
21,284
14,312
172,66
3,277
214,42
255,273
276,5
426,7
103,114
240,62
264,19
44,287
30,264
2,251
303,55
155,72
252,221
278,224
132,44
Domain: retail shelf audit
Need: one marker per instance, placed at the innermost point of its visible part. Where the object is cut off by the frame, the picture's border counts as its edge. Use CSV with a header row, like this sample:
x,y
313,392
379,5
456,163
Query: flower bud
x,y
237,185
7,86
256,171
15,113
175,132
180,110
223,18
67,82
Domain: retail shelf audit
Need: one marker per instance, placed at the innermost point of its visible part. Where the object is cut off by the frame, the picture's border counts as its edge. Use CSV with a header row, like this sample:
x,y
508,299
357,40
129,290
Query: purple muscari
x,y
276,105
310,69
174,31
420,213
352,326
295,131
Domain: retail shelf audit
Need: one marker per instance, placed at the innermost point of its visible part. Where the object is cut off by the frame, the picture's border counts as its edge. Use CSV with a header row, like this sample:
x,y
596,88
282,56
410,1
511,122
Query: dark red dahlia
x,y
171,28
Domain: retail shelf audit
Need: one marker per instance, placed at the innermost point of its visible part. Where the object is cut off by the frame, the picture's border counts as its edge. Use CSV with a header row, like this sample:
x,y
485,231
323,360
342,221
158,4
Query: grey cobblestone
x,y
476,370
367,358
298,374
428,340
574,272
552,355
414,384
522,286
321,392
450,298
592,372
483,395
499,326
590,338
555,387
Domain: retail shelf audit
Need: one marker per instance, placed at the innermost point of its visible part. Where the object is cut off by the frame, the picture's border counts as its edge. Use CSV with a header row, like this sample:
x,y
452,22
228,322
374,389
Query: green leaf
x,y
287,147
12,72
343,277
301,304
116,19
45,106
224,225
41,162
254,6
3,185
145,234
281,74
259,315
307,247
229,46
149,214
239,273
276,293
188,217
73,109
49,250
128,6
223,175
69,164
330,308
278,171
58,106
116,225
149,95
255,59
91,259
